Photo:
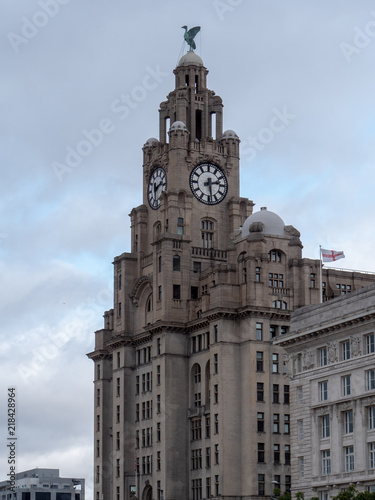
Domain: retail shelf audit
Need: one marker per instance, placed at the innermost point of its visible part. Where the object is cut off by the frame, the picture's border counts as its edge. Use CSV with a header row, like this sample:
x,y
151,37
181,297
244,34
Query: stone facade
x,y
191,396
331,351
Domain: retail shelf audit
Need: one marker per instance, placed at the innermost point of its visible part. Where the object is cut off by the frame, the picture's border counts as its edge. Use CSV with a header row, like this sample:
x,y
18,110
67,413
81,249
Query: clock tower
x,y
191,395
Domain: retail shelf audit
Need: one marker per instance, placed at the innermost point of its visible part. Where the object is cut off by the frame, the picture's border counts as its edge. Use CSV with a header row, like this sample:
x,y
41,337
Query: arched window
x,y
149,304
207,232
176,263
197,374
274,256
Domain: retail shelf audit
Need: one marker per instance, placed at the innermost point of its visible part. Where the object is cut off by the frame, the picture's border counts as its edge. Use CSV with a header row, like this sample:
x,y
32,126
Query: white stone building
x,y
331,350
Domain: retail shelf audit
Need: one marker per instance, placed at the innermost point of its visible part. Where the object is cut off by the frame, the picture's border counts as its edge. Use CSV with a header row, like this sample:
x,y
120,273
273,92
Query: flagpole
x,y
320,274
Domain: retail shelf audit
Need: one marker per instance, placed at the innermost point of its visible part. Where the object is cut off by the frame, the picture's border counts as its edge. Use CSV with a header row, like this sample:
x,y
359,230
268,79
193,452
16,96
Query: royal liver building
x,y
191,396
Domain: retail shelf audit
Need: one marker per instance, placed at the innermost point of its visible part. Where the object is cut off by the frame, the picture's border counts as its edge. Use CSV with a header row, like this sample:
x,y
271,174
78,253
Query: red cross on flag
x,y
331,255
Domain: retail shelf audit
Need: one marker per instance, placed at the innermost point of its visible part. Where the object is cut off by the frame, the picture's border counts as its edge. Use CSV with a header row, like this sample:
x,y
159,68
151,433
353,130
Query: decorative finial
x,y
190,35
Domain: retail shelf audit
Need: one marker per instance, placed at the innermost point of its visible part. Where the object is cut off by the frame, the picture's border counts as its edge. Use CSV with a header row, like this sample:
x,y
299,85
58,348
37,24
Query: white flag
x,y
331,255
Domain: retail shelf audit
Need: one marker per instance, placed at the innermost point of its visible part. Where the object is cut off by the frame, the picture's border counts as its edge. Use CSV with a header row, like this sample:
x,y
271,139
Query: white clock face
x,y
156,185
208,183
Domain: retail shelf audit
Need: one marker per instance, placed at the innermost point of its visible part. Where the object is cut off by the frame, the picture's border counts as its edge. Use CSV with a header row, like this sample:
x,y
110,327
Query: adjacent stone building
x,y
43,484
331,351
191,395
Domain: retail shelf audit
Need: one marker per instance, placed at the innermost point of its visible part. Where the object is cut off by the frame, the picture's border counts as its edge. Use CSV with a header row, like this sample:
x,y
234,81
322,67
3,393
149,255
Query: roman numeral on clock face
x,y
208,183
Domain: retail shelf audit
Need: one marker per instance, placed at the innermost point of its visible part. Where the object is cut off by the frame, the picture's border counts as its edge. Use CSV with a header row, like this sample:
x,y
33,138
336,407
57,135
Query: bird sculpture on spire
x,y
190,35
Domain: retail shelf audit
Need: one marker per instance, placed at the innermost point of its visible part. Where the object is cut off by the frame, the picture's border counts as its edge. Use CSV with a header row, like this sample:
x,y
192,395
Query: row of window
x,y
196,427
348,460
276,481
346,385
276,454
196,488
197,459
275,330
347,349
275,423
347,423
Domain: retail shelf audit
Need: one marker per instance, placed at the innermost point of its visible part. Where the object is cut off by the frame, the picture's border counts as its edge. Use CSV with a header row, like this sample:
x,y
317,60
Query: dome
x,y
190,58
150,141
178,126
229,133
272,223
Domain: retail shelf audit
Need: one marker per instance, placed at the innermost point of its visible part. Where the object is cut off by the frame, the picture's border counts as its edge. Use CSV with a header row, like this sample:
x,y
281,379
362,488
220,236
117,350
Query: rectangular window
x,y
118,387
348,422
345,350
260,421
260,391
275,363
276,423
196,430
217,486
216,333
197,267
325,426
261,453
194,292
208,458
275,392
349,458
286,424
208,487
371,417
216,454
180,225
370,343
370,380
159,292
287,454
118,414
216,423
323,360
276,453
208,426
259,361
158,375
326,462
176,292
371,447
273,331
216,363
261,483
286,394
216,394
301,466
119,309
259,331
346,385
323,390
288,483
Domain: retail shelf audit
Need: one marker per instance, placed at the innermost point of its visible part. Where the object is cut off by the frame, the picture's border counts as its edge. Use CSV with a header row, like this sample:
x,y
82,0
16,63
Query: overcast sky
x,y
67,67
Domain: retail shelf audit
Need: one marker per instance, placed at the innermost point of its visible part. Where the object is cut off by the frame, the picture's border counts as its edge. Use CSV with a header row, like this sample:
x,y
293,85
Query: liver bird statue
x,y
190,35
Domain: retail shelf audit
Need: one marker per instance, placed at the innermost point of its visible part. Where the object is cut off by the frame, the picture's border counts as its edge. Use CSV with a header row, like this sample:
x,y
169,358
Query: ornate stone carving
x,y
355,346
308,359
332,348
